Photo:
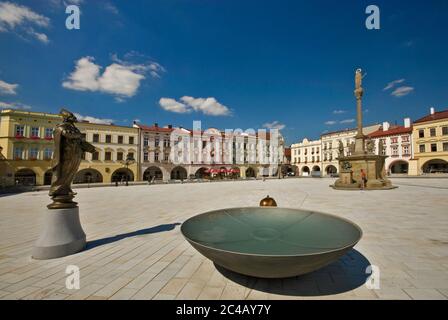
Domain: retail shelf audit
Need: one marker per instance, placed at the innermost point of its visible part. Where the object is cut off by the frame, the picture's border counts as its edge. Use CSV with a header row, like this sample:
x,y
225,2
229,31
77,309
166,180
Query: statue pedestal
x,y
373,166
62,235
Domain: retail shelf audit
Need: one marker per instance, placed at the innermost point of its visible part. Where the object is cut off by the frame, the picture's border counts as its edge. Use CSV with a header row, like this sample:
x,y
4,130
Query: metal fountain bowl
x,y
269,242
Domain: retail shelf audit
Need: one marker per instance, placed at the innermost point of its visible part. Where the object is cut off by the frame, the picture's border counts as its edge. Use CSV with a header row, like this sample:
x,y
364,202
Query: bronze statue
x,y
380,147
370,145
69,147
341,148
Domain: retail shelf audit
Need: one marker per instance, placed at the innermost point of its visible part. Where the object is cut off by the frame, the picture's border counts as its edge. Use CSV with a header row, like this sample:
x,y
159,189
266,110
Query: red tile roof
x,y
393,130
436,116
154,128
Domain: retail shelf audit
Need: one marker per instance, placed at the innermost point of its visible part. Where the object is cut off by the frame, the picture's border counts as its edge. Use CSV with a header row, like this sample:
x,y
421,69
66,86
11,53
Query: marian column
x,y
359,91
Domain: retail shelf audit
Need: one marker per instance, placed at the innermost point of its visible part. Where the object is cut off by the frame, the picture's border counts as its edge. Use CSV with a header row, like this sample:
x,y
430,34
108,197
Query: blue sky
x,y
232,64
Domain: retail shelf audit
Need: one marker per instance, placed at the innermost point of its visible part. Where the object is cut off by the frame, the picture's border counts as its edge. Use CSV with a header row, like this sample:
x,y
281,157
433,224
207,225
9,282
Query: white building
x,y
169,153
306,157
397,145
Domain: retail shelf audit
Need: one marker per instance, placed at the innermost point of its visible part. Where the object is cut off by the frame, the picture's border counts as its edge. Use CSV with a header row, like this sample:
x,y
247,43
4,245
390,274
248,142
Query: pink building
x,y
397,145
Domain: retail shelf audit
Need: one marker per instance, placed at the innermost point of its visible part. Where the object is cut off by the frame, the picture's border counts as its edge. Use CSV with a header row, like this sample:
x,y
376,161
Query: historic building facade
x,y
430,144
396,142
306,156
169,153
116,155
330,147
26,139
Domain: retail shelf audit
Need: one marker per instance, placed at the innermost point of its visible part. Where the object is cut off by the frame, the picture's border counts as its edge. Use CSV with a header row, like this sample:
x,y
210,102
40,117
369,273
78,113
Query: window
x,y
108,138
145,141
95,156
433,147
156,156
34,132
131,155
84,136
445,131
145,156
108,156
432,132
394,140
156,142
20,131
48,133
119,156
48,154
120,139
406,151
421,133
131,140
166,142
166,157
18,153
445,146
422,148
404,138
394,151
96,137
34,153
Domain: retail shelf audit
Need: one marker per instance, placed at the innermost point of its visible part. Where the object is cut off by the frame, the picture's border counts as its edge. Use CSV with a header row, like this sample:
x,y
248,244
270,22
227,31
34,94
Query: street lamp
x,y
129,161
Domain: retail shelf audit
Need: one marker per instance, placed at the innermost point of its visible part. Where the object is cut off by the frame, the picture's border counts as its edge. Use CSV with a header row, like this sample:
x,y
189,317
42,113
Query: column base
x,y
62,235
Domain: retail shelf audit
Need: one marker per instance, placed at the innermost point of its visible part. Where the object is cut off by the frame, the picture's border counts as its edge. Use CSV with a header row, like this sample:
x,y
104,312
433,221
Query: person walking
x,y
363,179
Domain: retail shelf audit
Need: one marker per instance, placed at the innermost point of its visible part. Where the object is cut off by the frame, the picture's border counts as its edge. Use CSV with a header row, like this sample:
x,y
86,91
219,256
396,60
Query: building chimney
x,y
170,126
156,124
386,126
431,110
407,122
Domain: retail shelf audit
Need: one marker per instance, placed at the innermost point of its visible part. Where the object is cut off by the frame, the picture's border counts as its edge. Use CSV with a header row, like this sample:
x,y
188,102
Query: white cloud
x,y
274,125
110,7
330,122
402,91
208,106
19,19
172,105
339,111
8,88
93,119
392,84
14,105
347,121
121,78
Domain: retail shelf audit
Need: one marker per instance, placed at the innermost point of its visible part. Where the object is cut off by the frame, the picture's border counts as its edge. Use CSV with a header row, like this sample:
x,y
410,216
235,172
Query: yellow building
x,y
114,144
430,140
26,139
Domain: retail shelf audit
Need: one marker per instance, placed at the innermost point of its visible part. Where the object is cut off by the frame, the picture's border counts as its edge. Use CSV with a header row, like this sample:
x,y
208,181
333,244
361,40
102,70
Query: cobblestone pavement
x,y
136,250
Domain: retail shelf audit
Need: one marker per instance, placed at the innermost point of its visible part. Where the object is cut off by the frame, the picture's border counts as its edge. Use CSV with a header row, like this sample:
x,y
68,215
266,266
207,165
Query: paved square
x,y
136,250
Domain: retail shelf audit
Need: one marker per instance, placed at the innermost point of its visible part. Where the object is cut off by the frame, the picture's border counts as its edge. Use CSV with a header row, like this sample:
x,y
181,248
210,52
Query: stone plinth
x,y
62,235
372,165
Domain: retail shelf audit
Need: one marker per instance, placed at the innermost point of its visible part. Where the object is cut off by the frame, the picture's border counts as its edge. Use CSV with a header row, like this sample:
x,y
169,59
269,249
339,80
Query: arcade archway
x,y
88,176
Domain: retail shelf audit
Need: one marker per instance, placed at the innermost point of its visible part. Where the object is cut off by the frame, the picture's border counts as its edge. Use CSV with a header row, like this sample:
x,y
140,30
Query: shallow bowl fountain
x,y
270,242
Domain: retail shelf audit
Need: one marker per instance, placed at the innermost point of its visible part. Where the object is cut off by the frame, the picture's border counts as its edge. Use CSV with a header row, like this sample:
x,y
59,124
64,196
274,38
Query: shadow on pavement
x,y
157,229
345,274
